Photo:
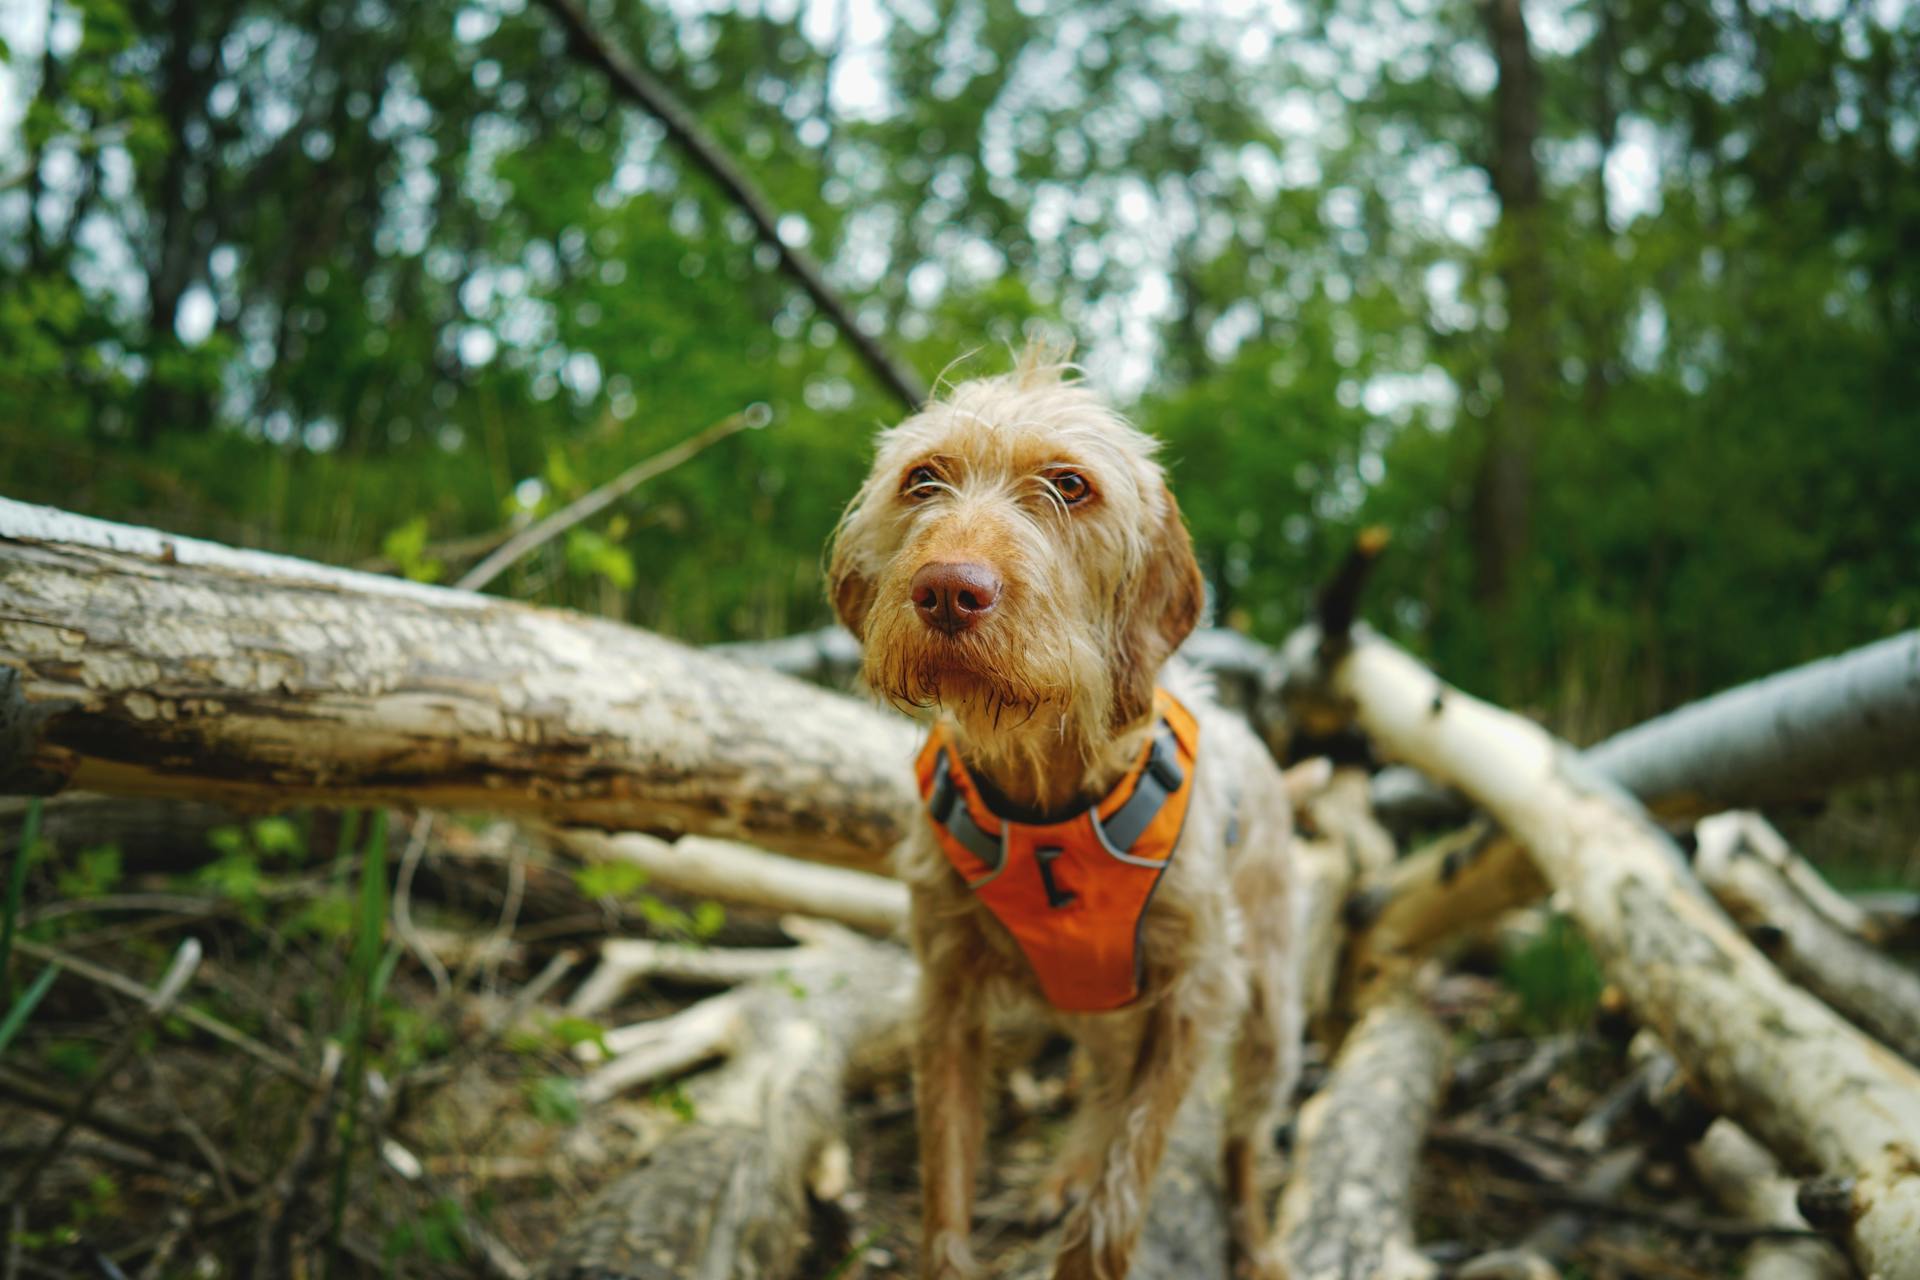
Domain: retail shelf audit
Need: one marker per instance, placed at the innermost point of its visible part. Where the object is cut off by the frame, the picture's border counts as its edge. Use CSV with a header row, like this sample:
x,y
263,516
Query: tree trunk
x,y
1788,737
1503,491
1883,997
137,663
1765,1052
1347,1213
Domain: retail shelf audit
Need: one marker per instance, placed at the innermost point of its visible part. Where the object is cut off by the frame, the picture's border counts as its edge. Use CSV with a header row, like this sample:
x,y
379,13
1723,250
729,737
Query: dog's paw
x,y
947,1257
1062,1190
1267,1264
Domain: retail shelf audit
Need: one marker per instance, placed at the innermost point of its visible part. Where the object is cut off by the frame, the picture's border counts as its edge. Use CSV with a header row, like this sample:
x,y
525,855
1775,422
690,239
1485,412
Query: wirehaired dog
x,y
1100,837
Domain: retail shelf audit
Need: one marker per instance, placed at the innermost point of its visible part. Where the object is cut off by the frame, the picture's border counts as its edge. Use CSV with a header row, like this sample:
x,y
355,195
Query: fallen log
x,y
738,873
1747,1182
1765,1052
1399,916
135,662
726,1194
1791,736
1347,1212
1740,859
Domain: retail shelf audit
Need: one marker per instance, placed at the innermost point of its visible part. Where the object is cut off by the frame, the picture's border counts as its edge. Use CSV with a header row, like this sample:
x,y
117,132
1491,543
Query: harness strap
x,y
946,810
1158,780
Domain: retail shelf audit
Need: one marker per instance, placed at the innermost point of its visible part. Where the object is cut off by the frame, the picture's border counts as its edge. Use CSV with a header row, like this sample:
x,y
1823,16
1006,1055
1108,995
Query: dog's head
x,y
1016,558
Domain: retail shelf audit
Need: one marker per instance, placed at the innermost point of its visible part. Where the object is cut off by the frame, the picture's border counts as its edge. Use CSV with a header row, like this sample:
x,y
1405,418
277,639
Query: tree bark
x,y
738,873
1882,996
1747,1182
1787,737
1460,882
137,663
1765,1052
1503,491
725,1196
1347,1212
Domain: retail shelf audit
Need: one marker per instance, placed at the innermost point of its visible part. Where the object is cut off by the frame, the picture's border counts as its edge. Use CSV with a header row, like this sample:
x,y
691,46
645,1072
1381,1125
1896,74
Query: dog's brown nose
x,y
952,597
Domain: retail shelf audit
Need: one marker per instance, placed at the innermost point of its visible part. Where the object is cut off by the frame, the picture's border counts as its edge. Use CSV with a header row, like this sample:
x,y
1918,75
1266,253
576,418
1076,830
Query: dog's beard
x,y
1018,688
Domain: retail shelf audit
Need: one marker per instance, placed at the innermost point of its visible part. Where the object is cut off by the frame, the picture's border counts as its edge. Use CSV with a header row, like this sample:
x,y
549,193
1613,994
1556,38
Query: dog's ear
x,y
850,590
1159,608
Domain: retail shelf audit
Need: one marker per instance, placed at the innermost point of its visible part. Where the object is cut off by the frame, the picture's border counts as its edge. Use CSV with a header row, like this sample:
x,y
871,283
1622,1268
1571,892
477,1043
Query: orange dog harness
x,y
1072,893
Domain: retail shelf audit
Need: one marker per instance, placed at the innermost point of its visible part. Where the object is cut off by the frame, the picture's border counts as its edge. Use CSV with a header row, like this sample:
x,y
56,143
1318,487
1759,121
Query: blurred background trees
x,y
1609,308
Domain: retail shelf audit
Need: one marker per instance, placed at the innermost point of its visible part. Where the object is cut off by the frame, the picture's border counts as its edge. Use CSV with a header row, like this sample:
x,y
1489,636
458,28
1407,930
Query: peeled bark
x,y
725,1196
1765,1052
1347,1212
137,663
1788,737
1882,996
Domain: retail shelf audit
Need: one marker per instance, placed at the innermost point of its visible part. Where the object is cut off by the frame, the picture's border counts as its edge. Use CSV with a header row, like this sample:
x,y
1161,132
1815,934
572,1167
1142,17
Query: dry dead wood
x,y
1747,1182
725,1195
1790,736
138,663
738,873
1402,913
1347,1212
1764,1051
1747,865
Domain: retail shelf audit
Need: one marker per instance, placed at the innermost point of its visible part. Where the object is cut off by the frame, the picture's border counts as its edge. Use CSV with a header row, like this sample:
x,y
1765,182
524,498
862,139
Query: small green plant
x,y
434,1236
675,1099
621,883
1556,977
90,875
406,546
553,1100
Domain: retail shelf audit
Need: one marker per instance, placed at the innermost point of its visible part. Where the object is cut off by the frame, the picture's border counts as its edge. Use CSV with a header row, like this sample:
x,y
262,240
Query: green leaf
x,y
554,1100
20,1010
615,880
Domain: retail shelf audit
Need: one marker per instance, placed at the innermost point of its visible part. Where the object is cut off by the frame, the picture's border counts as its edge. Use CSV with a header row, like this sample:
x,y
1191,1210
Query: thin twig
x,y
273,1240
684,128
185,961
403,906
272,1059
591,504
1667,1219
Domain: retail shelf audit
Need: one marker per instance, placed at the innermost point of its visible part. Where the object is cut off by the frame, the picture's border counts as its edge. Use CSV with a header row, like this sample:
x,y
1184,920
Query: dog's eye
x,y
1070,485
921,482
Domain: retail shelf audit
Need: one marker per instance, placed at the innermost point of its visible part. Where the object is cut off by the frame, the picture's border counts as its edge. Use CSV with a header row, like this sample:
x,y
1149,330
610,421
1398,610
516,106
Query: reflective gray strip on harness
x,y
946,809
1157,782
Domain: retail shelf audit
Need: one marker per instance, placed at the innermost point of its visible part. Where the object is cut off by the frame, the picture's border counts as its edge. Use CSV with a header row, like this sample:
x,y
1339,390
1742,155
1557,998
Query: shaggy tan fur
x,y
1050,698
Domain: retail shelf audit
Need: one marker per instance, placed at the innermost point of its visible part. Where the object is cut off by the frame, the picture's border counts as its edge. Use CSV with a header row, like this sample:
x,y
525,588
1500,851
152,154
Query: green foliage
x,y
614,880
91,873
1556,977
406,546
332,282
435,1236
554,1100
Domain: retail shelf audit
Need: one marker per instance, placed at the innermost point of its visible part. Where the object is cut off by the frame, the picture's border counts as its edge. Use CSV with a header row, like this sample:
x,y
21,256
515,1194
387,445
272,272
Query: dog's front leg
x,y
1102,1232
949,1069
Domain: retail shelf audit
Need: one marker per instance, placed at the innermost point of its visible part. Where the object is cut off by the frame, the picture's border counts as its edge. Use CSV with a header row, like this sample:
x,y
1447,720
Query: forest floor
x,y
468,1148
